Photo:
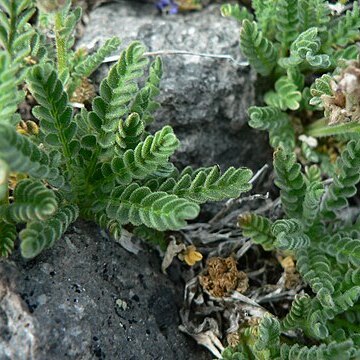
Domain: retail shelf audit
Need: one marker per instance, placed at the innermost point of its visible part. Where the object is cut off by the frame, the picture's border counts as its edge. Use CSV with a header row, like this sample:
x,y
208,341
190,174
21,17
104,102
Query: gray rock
x,y
88,298
204,99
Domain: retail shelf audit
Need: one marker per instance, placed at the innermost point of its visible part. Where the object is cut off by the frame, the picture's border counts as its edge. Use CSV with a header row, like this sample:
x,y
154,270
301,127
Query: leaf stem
x,y
12,28
320,128
184,52
60,43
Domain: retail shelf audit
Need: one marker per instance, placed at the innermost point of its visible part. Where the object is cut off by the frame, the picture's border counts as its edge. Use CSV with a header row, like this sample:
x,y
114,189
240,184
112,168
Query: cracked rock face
x,y
88,298
204,99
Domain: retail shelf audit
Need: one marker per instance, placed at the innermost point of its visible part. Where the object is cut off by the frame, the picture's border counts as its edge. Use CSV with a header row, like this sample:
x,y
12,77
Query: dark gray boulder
x,y
88,298
204,99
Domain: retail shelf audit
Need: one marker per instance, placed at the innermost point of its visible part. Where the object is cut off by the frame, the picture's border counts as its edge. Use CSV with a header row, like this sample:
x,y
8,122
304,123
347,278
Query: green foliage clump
x,y
309,55
15,31
292,42
326,248
73,66
10,97
263,341
100,164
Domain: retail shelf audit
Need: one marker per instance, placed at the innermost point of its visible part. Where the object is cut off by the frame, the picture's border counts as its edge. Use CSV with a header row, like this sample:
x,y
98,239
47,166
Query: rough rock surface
x,y
88,298
204,99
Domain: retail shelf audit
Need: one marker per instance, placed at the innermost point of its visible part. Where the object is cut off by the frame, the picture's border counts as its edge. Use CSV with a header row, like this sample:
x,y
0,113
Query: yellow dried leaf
x,y
287,263
190,255
292,277
28,127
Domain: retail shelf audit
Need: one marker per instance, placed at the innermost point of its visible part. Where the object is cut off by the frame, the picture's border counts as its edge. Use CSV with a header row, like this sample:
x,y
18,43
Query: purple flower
x,y
168,6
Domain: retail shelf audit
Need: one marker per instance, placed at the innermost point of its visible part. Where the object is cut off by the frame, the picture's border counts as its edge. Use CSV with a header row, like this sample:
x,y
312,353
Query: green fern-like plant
x,y
345,30
32,201
26,44
259,50
38,236
304,49
21,45
258,228
15,30
327,253
290,181
74,66
10,97
345,180
263,341
236,12
277,122
100,164
292,43
21,41
8,237
286,96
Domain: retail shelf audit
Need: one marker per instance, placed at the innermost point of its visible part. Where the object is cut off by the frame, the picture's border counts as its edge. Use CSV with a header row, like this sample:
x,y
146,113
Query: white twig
x,y
258,173
77,105
253,197
184,52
